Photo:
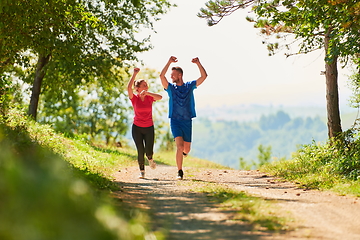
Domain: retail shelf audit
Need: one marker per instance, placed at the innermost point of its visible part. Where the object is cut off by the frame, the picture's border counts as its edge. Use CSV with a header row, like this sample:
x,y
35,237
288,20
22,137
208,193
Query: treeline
x,y
225,142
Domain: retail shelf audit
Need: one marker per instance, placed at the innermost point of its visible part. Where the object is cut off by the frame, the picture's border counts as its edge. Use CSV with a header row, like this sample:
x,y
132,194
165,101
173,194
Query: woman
x,y
143,127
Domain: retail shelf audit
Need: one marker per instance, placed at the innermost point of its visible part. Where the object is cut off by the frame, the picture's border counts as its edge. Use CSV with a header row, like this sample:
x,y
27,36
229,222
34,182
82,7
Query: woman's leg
x,y
149,142
139,143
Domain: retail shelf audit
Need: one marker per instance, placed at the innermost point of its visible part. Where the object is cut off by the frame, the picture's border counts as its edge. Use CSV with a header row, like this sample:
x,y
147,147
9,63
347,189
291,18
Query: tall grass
x,y
94,163
334,165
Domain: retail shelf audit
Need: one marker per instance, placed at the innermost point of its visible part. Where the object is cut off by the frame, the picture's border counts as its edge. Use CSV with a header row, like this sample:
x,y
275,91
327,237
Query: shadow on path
x,y
182,214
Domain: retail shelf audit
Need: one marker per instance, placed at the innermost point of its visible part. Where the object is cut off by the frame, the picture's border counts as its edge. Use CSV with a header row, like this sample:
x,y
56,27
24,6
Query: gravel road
x,y
190,215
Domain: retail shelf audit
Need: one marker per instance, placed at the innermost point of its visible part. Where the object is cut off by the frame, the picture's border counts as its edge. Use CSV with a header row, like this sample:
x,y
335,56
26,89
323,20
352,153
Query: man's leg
x,y
187,147
187,131
182,133
179,141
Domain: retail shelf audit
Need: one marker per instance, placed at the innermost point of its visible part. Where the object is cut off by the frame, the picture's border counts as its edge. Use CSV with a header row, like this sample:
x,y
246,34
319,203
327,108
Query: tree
x,y
75,40
274,121
332,25
102,113
355,86
264,155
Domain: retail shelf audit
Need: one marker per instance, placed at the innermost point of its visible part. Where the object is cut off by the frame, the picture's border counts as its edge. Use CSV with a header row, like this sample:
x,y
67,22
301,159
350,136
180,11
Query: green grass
x,y
168,158
321,178
321,166
52,187
259,213
96,164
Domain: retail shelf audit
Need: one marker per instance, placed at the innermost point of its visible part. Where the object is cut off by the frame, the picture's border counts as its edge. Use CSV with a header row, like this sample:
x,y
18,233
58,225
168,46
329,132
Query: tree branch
x,y
217,10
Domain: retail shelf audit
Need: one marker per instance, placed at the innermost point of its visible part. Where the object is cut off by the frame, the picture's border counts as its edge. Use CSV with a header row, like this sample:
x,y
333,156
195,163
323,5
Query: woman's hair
x,y
138,82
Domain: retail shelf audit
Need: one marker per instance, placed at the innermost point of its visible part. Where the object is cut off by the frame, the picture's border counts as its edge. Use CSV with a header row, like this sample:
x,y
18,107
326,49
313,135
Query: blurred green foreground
x,y
42,196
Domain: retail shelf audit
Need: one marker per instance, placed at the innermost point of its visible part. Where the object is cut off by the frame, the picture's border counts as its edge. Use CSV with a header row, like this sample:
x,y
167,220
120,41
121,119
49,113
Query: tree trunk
x,y
332,93
36,89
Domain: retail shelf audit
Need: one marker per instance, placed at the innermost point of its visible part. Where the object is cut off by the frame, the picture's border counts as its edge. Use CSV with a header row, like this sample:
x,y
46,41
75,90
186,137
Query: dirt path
x,y
189,215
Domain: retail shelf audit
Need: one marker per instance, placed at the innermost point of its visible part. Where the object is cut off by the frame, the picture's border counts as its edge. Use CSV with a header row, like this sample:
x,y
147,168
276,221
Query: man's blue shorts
x,y
181,128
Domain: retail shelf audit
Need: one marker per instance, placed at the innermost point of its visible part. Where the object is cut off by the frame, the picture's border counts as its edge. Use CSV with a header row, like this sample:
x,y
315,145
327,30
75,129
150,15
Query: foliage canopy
x,y
332,25
69,42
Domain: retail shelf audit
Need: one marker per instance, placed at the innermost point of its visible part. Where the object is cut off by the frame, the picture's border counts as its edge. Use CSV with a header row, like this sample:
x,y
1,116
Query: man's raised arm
x,y
203,73
164,81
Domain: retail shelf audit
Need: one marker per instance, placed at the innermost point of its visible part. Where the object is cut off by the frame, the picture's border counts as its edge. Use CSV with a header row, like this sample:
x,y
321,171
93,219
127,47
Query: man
x,y
181,107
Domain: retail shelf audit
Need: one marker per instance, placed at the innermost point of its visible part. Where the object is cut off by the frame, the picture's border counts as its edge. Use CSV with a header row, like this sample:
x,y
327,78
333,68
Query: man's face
x,y
175,76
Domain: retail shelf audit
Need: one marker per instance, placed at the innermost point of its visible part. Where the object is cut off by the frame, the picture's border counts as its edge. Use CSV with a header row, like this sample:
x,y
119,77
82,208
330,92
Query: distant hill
x,y
246,112
224,134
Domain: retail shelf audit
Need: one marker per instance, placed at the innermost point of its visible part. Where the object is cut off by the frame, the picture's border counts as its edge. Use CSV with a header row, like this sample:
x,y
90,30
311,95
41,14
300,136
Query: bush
x,y
324,166
347,154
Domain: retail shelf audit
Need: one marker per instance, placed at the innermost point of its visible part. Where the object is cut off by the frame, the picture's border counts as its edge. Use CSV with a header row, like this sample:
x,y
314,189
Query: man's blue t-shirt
x,y
181,100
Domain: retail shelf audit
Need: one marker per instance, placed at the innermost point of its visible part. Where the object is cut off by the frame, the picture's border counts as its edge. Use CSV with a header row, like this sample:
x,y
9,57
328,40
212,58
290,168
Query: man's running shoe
x,y
142,174
152,163
185,155
180,175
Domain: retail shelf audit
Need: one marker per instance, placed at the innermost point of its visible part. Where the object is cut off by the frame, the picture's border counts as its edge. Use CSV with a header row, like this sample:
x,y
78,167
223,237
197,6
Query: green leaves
x,y
308,20
216,10
76,28
85,38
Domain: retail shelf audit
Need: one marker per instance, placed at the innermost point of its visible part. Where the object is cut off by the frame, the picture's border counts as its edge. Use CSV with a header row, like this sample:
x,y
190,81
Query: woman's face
x,y
142,86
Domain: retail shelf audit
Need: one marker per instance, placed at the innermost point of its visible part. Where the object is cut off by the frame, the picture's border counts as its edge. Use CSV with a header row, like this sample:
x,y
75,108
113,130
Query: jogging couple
x,y
181,112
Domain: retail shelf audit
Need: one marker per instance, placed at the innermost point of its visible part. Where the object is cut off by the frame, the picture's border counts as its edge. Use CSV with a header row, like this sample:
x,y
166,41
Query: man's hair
x,y
179,69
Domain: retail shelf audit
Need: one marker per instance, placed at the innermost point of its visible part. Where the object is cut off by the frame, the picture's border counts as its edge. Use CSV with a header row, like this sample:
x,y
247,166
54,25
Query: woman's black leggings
x,y
144,141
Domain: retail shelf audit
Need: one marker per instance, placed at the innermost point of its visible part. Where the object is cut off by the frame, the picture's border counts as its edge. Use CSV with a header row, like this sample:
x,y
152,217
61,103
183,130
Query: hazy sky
x,y
238,66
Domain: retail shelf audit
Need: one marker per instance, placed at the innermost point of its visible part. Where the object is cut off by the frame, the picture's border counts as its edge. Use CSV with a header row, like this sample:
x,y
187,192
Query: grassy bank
x,y
328,166
52,187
